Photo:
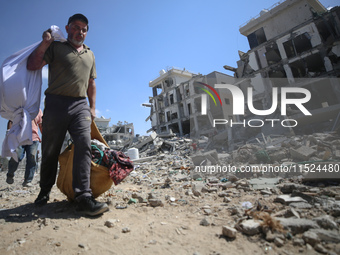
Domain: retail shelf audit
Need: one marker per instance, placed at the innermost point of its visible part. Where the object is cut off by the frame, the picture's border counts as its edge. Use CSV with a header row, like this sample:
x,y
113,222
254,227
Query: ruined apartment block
x,y
176,102
117,136
294,43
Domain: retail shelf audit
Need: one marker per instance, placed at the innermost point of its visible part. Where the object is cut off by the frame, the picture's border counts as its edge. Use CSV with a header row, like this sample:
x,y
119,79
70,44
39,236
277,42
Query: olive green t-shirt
x,y
69,70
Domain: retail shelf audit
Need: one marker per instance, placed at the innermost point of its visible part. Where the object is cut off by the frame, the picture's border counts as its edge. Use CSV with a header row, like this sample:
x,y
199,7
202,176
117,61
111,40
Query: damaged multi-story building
x,y
117,136
177,102
294,43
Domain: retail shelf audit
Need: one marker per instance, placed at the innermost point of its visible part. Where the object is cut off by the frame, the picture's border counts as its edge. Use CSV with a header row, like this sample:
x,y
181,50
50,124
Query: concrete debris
x,y
250,227
283,209
289,207
302,153
287,199
229,232
297,226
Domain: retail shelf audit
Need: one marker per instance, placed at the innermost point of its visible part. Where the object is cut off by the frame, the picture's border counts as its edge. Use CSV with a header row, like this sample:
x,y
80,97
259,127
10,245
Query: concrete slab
x,y
263,183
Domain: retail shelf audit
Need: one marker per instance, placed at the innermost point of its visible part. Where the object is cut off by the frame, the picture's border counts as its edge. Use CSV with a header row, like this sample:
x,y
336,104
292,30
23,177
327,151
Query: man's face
x,y
77,31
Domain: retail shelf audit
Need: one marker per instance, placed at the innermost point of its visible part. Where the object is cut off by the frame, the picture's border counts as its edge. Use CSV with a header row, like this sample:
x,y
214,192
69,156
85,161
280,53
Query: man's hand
x,y
47,36
93,113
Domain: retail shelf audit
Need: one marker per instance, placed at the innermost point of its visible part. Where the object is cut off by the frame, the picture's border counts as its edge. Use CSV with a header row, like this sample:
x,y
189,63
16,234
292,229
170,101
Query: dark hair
x,y
80,17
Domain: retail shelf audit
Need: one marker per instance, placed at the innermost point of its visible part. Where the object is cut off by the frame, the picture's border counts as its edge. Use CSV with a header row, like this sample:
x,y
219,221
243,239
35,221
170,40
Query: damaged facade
x,y
176,103
117,136
292,44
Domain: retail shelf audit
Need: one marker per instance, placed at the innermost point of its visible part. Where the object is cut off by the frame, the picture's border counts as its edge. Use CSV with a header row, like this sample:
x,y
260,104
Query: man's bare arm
x,y
91,93
36,59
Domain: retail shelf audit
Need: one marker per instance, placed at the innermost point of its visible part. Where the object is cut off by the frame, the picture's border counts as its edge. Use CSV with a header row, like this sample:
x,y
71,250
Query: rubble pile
x,y
280,208
175,198
288,213
311,156
279,149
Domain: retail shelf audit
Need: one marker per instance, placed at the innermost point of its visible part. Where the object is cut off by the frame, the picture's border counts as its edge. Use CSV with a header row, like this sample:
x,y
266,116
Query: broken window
x,y
160,103
310,66
298,69
186,127
297,45
171,98
327,28
227,101
174,127
261,54
178,95
161,117
272,54
186,90
189,108
323,29
181,109
289,49
166,101
169,82
198,104
174,116
315,65
256,38
278,76
302,43
167,116
157,90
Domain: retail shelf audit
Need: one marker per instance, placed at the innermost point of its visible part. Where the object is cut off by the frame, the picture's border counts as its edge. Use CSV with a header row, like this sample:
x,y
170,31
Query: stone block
x,y
229,232
297,226
302,153
250,227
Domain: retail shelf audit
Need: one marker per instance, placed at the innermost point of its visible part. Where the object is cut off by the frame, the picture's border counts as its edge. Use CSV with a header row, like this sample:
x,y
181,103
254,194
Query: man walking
x,y
72,73
30,150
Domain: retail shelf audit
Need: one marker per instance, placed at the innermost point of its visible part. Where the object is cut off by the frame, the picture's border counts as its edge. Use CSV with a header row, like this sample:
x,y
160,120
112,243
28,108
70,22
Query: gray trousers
x,y
62,114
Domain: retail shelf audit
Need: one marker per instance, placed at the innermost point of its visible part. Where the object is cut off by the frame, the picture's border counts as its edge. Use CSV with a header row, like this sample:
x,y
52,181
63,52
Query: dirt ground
x,y
138,228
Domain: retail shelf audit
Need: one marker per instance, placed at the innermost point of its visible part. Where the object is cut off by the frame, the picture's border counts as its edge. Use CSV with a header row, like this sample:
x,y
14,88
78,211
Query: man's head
x,y
76,28
80,17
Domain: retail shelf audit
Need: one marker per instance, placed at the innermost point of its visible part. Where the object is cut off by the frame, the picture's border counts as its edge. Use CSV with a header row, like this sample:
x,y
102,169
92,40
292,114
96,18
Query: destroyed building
x,y
176,105
294,43
117,136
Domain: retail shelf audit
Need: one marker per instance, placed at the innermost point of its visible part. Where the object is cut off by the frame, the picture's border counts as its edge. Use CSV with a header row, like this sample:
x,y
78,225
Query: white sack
x,y
20,93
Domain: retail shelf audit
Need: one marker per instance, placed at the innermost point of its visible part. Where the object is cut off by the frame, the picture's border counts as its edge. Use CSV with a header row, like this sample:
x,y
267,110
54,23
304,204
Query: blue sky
x,y
133,40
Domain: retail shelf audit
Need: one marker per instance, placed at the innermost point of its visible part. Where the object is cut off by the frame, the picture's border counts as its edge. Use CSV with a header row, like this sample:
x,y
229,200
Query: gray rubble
x,y
285,211
294,207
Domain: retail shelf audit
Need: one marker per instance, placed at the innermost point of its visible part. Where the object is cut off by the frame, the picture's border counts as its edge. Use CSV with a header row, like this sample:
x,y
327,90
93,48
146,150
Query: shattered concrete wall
x,y
178,107
294,51
274,22
165,97
288,52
